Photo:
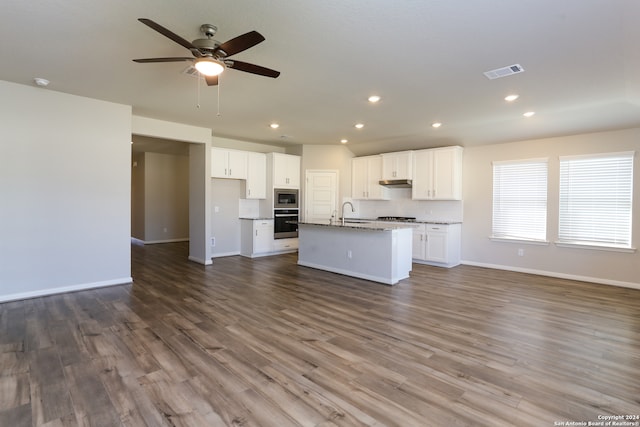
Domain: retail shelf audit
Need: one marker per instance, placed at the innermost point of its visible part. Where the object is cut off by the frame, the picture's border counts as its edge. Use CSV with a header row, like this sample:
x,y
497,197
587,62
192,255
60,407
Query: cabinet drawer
x,y
437,227
285,244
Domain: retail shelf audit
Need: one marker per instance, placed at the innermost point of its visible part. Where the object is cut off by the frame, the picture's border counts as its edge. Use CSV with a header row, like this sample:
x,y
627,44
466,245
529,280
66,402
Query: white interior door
x,y
321,195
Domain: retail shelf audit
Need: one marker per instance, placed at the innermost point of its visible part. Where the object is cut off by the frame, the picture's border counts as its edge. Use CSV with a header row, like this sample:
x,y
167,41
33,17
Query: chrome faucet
x,y
352,209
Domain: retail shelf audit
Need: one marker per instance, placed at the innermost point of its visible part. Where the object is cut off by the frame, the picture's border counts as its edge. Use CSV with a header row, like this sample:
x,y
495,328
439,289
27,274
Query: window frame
x,y
587,243
522,238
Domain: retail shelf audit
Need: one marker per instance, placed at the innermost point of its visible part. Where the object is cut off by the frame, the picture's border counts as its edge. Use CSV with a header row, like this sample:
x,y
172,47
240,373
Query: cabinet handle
x,y
229,171
225,171
256,233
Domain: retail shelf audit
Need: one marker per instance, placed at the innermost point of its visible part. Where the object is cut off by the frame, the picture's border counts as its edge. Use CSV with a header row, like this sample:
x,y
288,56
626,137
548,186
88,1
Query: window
x,y
520,200
596,200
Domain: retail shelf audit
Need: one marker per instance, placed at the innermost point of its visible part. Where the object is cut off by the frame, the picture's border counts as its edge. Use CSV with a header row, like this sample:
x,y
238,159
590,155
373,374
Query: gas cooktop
x,y
397,218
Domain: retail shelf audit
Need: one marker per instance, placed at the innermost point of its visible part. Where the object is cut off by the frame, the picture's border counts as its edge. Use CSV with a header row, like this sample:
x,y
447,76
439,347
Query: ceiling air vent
x,y
504,71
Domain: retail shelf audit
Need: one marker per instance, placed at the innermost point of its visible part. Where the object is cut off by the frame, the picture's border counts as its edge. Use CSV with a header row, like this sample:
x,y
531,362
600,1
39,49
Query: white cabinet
x,y
285,245
256,186
256,237
228,163
286,170
397,165
366,172
437,174
437,244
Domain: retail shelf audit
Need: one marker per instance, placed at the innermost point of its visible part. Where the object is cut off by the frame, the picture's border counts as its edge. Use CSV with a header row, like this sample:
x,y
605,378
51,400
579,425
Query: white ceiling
x,y
425,58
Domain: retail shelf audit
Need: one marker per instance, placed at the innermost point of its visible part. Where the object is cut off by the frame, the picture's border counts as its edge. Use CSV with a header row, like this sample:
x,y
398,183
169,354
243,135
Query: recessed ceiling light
x,y
511,98
359,125
344,141
436,125
274,126
374,98
529,113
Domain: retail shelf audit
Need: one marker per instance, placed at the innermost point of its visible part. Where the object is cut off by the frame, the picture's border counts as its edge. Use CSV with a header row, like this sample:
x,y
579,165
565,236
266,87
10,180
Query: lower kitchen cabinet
x,y
437,244
256,239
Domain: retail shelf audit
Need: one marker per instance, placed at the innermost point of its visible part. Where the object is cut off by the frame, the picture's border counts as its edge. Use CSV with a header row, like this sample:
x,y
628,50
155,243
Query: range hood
x,y
396,183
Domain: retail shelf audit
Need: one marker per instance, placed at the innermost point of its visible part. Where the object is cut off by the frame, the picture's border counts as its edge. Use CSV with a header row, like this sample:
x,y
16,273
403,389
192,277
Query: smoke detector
x,y
504,71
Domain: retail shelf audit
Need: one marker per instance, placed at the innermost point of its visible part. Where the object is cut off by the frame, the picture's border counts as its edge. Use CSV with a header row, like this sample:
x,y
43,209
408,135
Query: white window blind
x,y
520,199
596,199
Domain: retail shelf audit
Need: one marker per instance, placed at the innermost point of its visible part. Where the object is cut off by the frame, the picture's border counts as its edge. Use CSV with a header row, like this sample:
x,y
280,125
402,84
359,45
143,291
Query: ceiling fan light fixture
x,y
209,66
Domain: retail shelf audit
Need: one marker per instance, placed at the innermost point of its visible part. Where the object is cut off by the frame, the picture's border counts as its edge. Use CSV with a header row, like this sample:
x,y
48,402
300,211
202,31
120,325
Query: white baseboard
x,y
200,260
557,275
155,242
223,254
64,289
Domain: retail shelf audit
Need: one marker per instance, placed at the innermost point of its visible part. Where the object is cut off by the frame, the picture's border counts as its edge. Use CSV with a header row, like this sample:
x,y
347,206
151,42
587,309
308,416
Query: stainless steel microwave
x,y
284,198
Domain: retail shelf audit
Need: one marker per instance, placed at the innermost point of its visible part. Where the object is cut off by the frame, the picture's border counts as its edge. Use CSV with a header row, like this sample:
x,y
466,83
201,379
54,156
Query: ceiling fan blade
x,y
174,59
240,43
252,68
167,33
211,80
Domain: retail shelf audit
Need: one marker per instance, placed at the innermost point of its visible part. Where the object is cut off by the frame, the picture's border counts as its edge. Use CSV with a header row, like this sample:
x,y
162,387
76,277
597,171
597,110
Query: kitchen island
x,y
377,252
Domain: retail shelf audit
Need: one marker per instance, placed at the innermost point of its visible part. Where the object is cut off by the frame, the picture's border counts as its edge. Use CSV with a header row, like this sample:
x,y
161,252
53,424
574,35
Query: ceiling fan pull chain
x,y
198,90
219,82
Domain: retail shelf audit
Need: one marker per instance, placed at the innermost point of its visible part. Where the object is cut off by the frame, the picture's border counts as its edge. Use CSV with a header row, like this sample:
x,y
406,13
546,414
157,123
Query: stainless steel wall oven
x,y
285,223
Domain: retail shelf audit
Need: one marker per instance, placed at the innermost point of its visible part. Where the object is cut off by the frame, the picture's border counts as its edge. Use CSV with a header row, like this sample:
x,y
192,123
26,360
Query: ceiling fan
x,y
211,57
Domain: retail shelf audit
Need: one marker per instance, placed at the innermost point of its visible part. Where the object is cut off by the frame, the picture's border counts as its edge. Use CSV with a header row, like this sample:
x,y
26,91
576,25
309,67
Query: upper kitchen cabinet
x,y
227,163
437,174
397,165
286,170
366,173
256,185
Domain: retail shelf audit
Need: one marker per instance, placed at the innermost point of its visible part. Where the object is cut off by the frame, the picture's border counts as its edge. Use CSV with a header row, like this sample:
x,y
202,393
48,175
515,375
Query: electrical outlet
x,y
213,241
349,254
520,252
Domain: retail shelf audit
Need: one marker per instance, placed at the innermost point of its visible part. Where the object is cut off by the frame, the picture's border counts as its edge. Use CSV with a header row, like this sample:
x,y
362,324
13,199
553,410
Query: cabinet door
x,y
447,173
359,177
419,244
404,165
375,191
422,175
219,163
397,165
262,236
237,164
256,186
286,171
436,248
293,171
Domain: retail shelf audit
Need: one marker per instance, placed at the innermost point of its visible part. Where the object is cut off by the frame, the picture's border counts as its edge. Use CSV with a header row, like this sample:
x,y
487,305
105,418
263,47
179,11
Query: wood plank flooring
x,y
265,342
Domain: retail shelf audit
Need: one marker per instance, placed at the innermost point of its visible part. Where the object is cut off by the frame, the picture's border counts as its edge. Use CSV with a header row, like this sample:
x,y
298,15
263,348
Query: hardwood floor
x,y
267,343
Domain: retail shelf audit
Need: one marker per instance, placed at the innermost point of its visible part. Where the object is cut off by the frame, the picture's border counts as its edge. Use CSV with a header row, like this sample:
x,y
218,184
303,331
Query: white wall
x,y
237,144
199,177
65,186
583,264
328,157
225,222
160,197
